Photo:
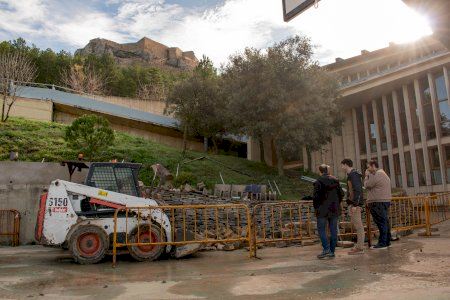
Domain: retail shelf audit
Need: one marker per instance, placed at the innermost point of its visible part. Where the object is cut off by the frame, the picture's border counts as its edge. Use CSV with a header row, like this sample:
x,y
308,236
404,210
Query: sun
x,y
409,25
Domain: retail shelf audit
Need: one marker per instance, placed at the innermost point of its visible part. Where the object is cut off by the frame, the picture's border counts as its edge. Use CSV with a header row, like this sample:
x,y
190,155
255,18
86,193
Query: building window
x,y
381,124
362,74
402,113
383,68
386,165
397,171
427,108
361,133
435,168
414,113
372,128
421,167
444,109
409,169
353,77
390,106
447,162
373,71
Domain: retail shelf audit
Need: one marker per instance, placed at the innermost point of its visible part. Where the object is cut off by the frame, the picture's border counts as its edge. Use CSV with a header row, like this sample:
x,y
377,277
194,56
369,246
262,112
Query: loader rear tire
x,y
147,252
88,244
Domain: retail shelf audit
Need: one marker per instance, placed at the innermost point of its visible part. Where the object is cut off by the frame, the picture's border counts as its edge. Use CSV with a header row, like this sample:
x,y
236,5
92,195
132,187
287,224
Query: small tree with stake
x,y
89,134
15,68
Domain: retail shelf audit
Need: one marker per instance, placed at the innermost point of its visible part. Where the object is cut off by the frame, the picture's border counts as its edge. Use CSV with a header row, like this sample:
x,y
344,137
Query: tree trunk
x,y
205,144
216,148
3,107
280,160
185,139
308,153
261,150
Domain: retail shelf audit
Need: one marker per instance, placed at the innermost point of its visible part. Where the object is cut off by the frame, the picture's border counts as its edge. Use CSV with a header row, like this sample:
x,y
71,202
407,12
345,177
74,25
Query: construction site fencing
x,y
10,225
228,224
274,222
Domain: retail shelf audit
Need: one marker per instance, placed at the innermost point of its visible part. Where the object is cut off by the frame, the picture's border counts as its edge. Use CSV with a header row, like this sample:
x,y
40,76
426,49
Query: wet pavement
x,y
413,268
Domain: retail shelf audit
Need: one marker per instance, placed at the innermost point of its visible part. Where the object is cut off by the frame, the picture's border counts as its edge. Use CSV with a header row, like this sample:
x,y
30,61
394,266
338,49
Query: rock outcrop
x,y
144,52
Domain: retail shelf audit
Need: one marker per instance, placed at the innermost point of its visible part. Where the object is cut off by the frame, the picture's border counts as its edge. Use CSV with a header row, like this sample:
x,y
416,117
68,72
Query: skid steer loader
x,y
79,217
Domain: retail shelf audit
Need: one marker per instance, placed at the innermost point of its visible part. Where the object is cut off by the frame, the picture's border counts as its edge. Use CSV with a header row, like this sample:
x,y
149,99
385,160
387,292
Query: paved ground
x,y
414,268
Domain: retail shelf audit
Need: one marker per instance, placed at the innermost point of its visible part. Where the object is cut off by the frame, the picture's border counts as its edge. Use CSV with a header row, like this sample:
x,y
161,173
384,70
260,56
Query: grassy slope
x,y
37,140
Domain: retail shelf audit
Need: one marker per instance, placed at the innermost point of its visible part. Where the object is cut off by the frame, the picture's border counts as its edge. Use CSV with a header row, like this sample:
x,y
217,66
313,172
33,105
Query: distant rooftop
x,y
84,102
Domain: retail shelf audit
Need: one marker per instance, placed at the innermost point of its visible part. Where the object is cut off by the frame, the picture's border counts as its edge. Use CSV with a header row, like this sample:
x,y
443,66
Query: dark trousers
x,y
380,214
328,246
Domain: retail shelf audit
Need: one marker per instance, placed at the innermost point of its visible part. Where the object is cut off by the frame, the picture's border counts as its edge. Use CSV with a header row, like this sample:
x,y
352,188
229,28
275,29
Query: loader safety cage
x,y
10,225
190,224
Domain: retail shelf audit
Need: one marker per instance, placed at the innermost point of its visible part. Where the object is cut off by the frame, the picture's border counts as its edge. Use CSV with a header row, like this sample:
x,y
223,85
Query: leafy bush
x,y
183,178
89,134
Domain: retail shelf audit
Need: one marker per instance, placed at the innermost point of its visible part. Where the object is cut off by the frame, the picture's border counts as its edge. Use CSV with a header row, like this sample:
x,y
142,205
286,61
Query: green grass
x,y
43,140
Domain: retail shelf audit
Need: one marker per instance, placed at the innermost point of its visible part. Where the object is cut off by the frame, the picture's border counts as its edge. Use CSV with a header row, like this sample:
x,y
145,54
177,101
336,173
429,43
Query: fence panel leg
x,y
369,227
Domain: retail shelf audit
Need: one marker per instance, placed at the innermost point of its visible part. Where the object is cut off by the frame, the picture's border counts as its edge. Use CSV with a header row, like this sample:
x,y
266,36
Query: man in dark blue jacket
x,y
326,199
355,203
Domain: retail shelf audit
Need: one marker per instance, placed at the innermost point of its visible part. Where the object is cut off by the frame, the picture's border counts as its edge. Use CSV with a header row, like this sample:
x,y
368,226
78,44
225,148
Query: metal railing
x,y
189,224
10,225
265,223
274,222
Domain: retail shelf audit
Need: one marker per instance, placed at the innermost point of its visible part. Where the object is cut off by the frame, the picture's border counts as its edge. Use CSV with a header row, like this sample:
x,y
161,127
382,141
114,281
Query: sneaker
x,y
376,247
331,255
324,255
355,251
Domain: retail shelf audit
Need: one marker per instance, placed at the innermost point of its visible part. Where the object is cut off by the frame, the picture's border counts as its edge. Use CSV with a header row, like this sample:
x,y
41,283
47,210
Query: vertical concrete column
x,y
398,130
437,126
447,82
423,135
387,123
355,132
366,131
412,144
377,132
334,156
305,158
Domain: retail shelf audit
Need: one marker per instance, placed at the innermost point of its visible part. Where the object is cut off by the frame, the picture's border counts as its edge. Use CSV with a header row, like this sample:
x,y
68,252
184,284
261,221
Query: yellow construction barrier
x,y
189,224
274,222
10,225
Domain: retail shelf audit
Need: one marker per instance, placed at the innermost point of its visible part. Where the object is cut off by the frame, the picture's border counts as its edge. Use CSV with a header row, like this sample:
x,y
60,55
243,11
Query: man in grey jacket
x,y
378,186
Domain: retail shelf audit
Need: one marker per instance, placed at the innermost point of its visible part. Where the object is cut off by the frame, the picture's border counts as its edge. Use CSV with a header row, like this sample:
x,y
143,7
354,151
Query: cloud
x,y
340,28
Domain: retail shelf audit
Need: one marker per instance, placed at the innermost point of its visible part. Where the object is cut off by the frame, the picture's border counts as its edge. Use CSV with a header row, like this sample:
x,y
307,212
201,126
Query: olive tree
x,y
283,95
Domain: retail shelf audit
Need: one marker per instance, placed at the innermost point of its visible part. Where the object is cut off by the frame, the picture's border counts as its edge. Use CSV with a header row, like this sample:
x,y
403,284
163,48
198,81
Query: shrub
x,y
89,134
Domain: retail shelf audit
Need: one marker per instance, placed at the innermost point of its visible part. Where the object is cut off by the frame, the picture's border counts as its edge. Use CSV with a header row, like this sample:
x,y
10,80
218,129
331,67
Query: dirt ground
x,y
413,268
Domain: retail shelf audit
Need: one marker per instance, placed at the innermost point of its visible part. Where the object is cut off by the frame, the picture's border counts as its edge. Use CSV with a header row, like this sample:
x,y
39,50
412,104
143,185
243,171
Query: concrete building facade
x,y
396,104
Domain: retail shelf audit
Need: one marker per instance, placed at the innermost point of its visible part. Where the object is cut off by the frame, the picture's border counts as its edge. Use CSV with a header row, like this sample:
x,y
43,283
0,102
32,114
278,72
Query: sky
x,y
215,28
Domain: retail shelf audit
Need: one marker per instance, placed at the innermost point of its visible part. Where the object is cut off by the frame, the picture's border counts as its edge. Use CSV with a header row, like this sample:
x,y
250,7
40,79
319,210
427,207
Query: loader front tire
x,y
146,233
88,244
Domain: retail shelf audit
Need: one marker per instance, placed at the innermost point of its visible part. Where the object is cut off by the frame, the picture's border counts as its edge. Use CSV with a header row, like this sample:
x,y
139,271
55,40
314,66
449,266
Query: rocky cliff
x,y
145,52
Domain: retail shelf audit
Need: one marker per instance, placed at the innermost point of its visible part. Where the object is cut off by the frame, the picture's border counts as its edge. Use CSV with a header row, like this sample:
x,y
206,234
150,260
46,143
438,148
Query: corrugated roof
x,y
86,103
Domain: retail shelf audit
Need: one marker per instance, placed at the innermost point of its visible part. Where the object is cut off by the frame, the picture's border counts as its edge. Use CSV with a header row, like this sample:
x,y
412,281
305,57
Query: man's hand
x,y
367,172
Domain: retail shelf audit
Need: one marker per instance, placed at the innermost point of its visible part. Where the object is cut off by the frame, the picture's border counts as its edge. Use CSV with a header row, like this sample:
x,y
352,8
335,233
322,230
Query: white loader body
x,y
63,212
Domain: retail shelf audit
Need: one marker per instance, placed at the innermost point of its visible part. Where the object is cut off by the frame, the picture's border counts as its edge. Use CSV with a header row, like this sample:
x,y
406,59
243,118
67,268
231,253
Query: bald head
x,y
323,169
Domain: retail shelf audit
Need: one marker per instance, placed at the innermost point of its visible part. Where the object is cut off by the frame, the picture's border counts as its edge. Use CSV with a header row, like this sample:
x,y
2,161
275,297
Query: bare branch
x,y
15,67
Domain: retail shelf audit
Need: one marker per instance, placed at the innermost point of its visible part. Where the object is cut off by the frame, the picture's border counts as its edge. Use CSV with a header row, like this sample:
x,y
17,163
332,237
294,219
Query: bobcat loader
x,y
80,217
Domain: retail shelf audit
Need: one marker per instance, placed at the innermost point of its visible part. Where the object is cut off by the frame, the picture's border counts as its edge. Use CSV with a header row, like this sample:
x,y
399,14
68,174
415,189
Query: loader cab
x,y
116,177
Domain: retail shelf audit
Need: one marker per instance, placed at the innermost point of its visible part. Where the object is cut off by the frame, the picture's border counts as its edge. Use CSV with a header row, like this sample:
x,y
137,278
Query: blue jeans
x,y
380,214
328,247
